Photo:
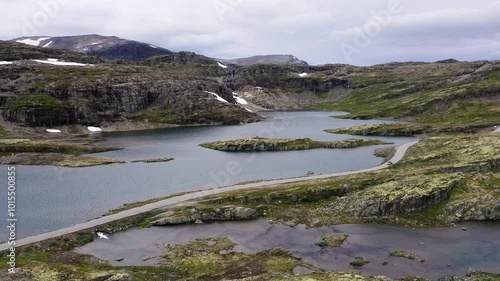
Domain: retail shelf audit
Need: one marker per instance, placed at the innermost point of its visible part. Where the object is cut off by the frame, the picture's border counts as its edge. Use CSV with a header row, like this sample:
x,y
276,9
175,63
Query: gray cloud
x,y
313,30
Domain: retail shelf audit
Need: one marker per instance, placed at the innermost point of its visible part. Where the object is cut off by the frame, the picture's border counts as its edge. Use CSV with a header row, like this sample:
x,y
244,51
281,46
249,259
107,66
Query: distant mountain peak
x,y
110,47
265,59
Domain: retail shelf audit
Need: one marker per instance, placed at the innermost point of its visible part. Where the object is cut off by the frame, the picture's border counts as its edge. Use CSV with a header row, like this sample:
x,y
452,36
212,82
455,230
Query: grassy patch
x,y
51,153
332,240
359,262
154,160
435,94
38,100
80,162
41,146
212,258
403,254
382,130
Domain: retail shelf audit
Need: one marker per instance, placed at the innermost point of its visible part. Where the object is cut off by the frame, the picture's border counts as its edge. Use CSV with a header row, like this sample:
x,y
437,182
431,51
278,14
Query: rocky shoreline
x,y
62,153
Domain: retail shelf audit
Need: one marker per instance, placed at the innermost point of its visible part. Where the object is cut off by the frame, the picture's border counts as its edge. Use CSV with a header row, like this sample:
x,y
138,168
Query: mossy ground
x,y
154,160
265,144
332,240
382,130
52,153
46,146
402,254
359,262
3,132
439,95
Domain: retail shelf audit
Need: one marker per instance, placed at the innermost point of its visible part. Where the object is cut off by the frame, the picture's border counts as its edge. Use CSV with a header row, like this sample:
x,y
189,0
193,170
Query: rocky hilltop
x,y
110,47
265,59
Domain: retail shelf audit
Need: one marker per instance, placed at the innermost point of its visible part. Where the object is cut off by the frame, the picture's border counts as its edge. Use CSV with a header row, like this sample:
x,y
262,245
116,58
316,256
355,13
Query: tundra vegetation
x,y
451,175
264,144
63,153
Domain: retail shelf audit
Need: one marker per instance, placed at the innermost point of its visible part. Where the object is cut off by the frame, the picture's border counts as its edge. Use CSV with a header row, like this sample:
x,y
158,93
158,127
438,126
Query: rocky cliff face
x,y
168,91
98,102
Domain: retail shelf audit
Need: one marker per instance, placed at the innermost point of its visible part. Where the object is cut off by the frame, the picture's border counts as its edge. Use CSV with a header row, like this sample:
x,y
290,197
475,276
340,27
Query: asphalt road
x,y
400,152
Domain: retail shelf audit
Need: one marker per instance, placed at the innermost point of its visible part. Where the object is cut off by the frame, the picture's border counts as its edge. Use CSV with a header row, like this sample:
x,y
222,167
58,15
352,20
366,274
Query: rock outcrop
x,y
265,144
228,213
99,96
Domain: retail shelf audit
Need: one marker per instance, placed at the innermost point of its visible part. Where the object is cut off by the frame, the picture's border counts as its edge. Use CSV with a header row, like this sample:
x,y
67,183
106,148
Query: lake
x,y
50,198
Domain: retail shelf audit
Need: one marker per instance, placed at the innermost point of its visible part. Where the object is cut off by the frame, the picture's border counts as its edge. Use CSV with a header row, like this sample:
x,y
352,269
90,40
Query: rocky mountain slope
x,y
447,93
188,88
34,94
110,47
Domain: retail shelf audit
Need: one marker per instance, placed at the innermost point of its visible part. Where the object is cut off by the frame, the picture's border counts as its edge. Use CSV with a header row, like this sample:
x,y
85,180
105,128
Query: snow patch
x,y
53,131
303,75
48,44
153,46
32,42
5,62
239,100
94,129
219,98
61,63
248,110
221,65
95,43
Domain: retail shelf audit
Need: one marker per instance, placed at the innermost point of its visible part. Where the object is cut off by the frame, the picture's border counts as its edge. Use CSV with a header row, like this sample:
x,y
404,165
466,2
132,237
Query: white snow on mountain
x,y
239,100
53,131
153,46
219,98
5,62
48,44
94,129
61,63
221,65
33,42
303,75
248,110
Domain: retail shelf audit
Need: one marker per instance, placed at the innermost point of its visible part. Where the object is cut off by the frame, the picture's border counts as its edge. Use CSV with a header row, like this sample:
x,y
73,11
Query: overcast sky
x,y
361,32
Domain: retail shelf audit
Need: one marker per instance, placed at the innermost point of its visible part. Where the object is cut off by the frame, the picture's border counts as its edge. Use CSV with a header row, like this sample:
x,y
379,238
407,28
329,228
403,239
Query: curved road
x,y
400,152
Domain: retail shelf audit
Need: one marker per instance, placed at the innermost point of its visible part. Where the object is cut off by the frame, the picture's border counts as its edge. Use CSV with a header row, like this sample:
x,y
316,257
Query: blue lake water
x,y
50,198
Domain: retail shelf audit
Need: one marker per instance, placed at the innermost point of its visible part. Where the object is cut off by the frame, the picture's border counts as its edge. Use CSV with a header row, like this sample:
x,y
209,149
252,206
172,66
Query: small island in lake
x,y
154,160
264,144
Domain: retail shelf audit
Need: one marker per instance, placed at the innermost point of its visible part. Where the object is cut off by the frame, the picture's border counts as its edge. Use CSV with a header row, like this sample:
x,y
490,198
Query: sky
x,y
360,32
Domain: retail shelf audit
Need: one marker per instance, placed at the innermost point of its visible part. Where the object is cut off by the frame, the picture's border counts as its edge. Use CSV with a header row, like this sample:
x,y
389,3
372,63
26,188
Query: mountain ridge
x,y
113,47
110,47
